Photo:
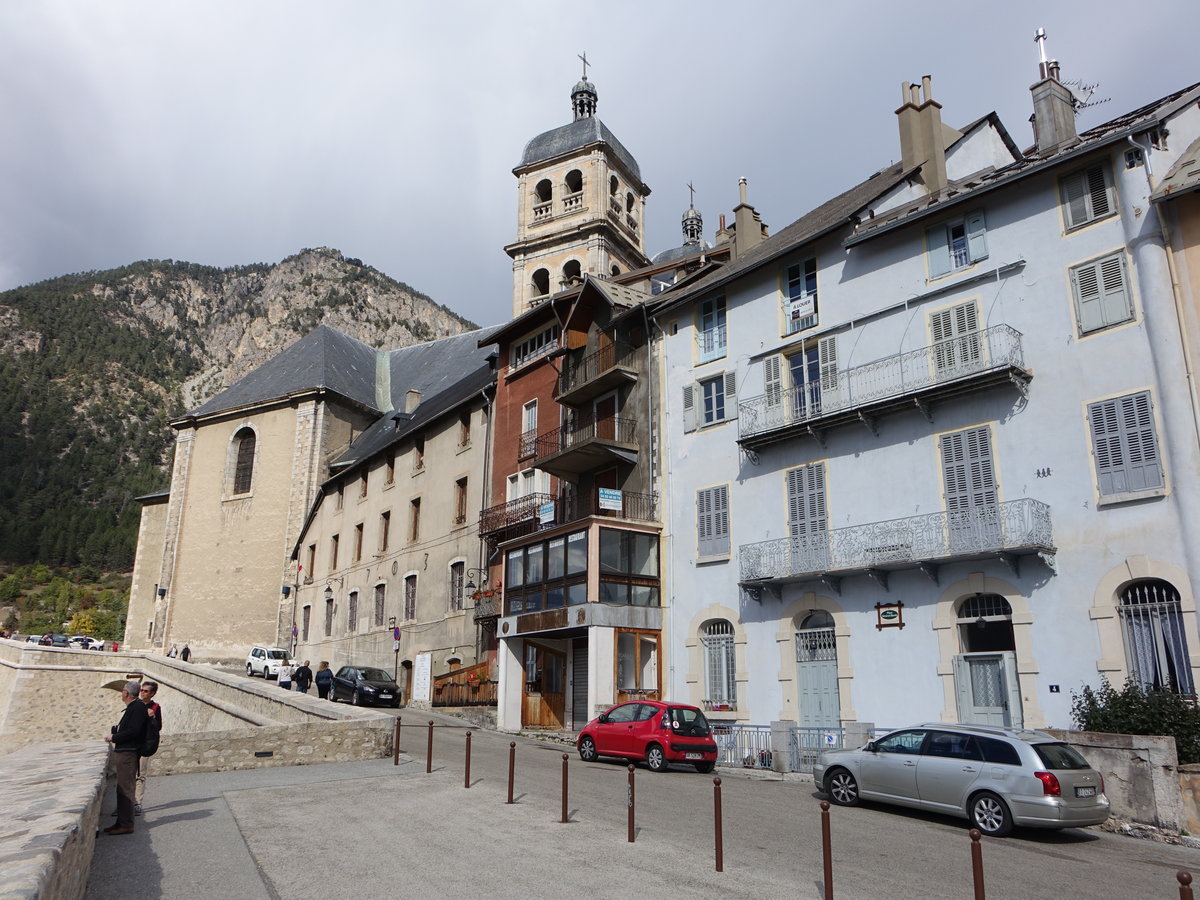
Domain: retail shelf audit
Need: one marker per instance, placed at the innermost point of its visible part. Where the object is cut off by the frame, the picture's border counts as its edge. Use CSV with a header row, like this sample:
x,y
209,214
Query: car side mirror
x,y
870,747
603,719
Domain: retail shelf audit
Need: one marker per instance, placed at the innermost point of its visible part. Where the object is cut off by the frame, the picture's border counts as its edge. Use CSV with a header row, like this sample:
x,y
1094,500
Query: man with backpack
x,y
127,738
150,745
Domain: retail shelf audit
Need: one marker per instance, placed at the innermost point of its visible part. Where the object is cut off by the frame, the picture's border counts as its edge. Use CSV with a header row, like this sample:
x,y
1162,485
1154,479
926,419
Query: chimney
x,y
411,399
923,137
1053,112
749,230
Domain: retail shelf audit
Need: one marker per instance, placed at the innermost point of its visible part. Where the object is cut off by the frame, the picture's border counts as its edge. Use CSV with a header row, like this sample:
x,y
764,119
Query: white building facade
x,y
930,452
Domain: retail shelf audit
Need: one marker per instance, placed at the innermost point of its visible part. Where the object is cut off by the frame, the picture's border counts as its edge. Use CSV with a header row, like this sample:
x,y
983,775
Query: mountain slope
x,y
94,365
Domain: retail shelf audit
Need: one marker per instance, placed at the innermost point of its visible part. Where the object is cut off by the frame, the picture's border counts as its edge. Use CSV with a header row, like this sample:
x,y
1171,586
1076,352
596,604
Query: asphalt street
x,y
371,829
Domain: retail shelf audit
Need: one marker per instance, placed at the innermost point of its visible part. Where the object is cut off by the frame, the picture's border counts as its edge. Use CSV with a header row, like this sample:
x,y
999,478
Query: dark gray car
x,y
364,686
995,777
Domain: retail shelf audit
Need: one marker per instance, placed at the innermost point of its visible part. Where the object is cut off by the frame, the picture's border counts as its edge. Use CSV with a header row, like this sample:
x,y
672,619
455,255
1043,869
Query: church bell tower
x,y
581,206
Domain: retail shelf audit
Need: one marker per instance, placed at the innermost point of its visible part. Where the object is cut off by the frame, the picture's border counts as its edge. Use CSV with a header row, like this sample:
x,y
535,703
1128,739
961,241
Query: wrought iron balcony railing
x,y
535,511
585,428
958,362
1013,527
591,367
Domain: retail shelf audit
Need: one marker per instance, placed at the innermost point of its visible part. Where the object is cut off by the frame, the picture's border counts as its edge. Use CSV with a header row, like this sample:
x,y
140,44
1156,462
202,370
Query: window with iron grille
x,y
410,597
457,571
1155,644
719,662
243,472
380,597
1125,445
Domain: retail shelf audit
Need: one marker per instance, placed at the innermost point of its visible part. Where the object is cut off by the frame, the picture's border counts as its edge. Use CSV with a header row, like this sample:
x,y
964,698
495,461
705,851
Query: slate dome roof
x,y
576,135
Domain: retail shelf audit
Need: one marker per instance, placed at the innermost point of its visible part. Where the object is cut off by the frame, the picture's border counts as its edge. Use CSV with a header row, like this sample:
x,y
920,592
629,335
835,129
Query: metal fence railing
x,y
749,746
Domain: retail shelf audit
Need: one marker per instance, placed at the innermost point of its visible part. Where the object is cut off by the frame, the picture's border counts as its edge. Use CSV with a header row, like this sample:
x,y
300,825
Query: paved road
x,y
369,829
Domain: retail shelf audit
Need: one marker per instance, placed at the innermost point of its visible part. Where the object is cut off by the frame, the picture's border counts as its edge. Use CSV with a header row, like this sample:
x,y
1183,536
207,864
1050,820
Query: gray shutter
x,y
806,500
1087,195
773,379
976,236
939,251
827,363
720,519
1101,296
967,469
704,522
731,410
712,521
1125,444
689,407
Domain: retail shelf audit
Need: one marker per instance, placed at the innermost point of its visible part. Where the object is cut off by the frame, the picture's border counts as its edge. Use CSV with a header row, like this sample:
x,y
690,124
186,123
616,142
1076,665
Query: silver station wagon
x,y
995,777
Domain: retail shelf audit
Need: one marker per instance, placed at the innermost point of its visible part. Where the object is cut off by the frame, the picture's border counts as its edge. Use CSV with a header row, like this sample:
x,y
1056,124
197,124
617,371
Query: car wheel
x,y
249,670
355,699
842,788
587,750
705,767
332,696
656,759
990,815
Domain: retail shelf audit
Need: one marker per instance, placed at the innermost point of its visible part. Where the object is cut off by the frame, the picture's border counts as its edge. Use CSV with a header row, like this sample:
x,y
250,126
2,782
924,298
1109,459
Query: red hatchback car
x,y
660,733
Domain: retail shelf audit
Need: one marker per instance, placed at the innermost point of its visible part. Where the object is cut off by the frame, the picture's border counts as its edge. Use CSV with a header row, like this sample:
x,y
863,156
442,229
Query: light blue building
x,y
929,452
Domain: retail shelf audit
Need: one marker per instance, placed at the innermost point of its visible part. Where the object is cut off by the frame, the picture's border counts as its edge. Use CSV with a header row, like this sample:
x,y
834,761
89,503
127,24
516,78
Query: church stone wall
x,y
147,564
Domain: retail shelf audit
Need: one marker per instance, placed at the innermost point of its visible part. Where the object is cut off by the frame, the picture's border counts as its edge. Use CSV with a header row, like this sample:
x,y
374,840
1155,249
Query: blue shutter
x,y
712,521
939,251
689,407
731,409
1125,444
976,236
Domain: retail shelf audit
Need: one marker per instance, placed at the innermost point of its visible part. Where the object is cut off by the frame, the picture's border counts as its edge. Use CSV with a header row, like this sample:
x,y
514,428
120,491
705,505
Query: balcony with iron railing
x,y
531,513
585,443
1005,531
968,363
597,373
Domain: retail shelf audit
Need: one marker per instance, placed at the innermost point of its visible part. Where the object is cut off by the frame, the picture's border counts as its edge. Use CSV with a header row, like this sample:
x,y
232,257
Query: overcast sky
x,y
243,131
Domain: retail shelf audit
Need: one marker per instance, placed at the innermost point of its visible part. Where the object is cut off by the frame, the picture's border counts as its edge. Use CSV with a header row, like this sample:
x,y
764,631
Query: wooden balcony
x,y
969,363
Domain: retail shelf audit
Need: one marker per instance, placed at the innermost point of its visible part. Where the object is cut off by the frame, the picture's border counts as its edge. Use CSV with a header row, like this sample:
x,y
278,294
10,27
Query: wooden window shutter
x,y
1125,444
976,236
689,407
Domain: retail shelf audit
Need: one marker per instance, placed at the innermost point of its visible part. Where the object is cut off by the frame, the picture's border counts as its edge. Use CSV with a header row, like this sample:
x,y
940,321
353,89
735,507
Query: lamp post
x,y
395,648
472,574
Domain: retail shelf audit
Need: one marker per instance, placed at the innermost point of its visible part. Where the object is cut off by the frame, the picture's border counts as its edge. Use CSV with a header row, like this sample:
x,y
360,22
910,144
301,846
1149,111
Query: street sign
x,y
396,633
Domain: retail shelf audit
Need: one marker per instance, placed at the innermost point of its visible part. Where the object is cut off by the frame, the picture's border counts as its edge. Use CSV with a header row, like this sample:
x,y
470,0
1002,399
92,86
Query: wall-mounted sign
x,y
803,306
421,672
889,615
610,498
546,514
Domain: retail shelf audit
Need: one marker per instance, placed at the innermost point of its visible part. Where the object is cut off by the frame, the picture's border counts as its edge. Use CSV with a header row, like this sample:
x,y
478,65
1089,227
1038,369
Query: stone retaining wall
x,y
50,810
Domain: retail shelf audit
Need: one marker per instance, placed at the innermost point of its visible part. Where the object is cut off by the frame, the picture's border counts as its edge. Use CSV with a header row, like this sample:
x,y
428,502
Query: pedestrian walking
x,y
186,653
127,737
303,676
285,676
154,710
173,652
324,679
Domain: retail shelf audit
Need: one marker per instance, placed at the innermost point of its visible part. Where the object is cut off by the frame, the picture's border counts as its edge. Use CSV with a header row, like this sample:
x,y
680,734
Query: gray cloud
x,y
230,132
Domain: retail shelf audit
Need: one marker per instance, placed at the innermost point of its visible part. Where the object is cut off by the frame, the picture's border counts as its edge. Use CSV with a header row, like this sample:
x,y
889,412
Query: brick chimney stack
x,y
923,137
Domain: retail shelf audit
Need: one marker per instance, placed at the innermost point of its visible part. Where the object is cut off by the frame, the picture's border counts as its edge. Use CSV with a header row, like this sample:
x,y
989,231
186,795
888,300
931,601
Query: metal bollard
x,y
1184,877
512,768
717,824
629,797
467,772
429,750
565,818
396,744
977,863
826,850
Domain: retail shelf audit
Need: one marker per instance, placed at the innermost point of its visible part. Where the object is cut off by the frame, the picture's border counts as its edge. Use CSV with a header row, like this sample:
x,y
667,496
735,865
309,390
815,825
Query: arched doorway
x,y
985,672
816,672
1155,644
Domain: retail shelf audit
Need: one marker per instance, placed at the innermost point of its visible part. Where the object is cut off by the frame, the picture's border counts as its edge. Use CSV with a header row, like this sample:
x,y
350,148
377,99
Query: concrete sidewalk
x,y
370,829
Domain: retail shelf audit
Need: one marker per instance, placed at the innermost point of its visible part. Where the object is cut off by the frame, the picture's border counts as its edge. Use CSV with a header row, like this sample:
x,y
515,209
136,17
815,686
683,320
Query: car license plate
x,y
693,756
1085,792
385,696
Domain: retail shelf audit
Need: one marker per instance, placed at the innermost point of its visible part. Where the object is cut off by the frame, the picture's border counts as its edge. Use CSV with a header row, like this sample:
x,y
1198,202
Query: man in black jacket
x,y
154,709
127,738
